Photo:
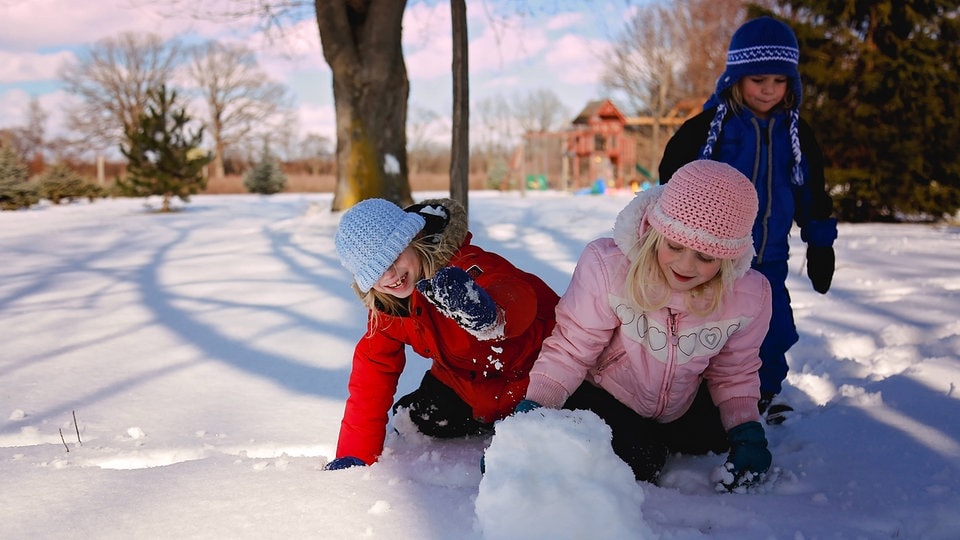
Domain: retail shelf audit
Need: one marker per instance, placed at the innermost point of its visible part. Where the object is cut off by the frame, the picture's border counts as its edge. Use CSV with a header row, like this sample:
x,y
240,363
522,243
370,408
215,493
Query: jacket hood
x,y
446,224
631,222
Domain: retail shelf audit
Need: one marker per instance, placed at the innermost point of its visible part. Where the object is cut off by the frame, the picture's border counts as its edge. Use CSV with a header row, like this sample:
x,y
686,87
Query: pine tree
x,y
15,191
163,158
882,91
60,182
265,177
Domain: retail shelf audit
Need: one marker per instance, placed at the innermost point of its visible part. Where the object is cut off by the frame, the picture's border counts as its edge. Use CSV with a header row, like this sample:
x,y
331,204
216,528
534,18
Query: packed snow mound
x,y
553,474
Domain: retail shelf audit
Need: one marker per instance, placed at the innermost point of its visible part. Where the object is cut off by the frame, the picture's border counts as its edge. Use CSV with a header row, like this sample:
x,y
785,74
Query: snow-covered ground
x,y
183,376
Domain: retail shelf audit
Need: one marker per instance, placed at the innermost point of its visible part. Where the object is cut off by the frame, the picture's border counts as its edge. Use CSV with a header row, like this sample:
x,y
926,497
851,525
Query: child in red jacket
x,y
479,318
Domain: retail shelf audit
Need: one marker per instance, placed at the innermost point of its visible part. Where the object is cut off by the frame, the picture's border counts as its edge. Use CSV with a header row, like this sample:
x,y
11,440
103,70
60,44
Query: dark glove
x,y
344,462
459,297
819,235
820,264
526,406
749,458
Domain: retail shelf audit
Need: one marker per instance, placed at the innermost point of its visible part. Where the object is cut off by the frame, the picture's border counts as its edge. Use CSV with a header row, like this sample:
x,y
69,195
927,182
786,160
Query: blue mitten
x,y
749,458
344,462
525,406
459,297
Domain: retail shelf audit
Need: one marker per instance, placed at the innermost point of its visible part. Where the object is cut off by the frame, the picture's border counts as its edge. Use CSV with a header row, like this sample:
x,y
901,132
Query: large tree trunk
x,y
361,43
460,150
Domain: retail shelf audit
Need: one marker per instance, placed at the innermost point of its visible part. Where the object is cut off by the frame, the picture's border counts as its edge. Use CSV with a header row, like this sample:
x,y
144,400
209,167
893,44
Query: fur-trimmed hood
x,y
446,222
631,222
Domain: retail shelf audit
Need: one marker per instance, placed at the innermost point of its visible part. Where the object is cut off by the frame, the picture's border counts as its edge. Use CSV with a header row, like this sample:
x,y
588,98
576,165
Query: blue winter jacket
x,y
760,149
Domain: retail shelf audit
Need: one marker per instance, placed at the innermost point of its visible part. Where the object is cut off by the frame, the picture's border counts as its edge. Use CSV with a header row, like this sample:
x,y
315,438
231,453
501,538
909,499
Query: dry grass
x,y
325,183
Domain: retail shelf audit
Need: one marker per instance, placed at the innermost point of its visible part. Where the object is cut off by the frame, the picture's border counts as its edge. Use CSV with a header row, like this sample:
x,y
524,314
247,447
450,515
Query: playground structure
x,y
601,149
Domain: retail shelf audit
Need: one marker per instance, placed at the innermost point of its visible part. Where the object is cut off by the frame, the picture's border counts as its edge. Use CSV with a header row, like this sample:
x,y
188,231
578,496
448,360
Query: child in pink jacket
x,y
660,328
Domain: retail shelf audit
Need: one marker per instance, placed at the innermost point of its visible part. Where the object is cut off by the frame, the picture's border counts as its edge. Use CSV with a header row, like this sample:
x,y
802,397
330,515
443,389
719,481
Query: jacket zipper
x,y
674,339
764,139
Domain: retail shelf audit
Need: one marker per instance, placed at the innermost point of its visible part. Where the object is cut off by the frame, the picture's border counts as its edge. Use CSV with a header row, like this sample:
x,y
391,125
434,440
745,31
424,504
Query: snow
x,y
204,355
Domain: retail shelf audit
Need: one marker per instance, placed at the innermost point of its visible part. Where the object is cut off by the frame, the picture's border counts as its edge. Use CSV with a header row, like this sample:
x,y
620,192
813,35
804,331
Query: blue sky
x,y
515,48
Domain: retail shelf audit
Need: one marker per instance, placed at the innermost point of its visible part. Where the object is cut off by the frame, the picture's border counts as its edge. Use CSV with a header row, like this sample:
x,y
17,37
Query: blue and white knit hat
x,y
371,236
761,46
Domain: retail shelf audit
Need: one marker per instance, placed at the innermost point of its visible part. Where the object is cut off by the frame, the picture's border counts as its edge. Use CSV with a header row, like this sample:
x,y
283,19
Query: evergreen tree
x,y
882,91
265,177
60,182
15,191
163,158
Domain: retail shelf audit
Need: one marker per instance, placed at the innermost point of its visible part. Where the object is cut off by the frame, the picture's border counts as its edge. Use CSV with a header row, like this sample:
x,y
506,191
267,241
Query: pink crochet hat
x,y
709,207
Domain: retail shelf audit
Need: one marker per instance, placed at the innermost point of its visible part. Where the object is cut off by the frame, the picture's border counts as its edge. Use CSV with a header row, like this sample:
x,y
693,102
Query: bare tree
x,y
424,126
314,151
27,140
112,81
670,52
239,96
361,44
644,64
708,25
495,122
34,130
539,111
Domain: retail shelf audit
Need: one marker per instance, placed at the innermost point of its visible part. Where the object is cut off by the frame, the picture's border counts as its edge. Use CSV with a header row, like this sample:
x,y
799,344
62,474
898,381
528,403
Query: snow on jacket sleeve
x,y
585,326
491,376
732,375
505,284
378,361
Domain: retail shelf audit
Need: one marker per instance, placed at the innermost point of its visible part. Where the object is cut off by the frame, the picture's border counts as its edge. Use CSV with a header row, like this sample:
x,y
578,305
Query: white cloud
x,y
423,23
31,67
318,119
41,24
576,59
14,105
512,50
564,21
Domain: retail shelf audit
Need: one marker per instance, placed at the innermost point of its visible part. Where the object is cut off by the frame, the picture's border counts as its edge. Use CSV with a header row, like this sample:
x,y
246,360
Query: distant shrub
x,y
265,177
497,174
15,191
61,183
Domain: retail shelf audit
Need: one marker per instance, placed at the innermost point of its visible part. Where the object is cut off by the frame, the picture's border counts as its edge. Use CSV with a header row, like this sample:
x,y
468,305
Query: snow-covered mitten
x,y
459,297
344,462
749,458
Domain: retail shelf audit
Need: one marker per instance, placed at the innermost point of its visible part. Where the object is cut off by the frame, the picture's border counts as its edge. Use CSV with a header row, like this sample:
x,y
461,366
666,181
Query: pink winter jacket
x,y
652,362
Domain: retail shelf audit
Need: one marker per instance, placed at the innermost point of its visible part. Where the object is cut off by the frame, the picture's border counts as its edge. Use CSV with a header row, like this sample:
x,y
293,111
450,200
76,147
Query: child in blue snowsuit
x,y
752,122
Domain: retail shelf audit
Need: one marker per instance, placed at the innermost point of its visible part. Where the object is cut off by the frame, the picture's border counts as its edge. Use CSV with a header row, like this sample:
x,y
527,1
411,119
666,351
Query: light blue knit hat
x,y
371,236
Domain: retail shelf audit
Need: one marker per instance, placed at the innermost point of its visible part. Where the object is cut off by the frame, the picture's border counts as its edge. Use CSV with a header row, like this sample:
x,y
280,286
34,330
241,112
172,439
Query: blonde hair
x,y
647,287
736,102
431,254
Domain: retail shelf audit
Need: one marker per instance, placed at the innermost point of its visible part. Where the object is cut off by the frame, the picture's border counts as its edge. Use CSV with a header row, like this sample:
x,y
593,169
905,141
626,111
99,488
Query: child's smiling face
x,y
685,268
761,93
400,279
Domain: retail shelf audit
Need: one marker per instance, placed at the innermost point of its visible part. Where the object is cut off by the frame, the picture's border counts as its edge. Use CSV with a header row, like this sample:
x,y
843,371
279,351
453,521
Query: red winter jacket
x,y
491,376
